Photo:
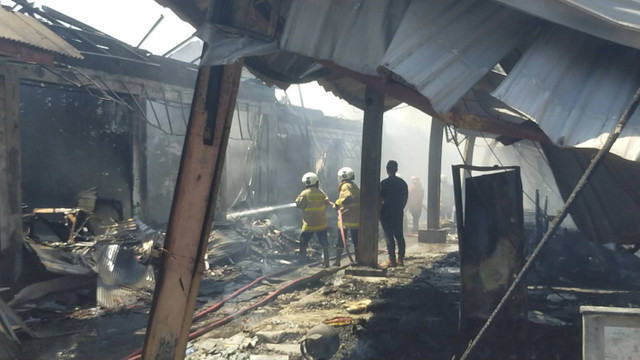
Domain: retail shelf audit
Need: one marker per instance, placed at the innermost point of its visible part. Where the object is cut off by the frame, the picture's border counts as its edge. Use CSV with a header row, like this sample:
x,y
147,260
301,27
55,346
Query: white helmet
x,y
346,173
310,178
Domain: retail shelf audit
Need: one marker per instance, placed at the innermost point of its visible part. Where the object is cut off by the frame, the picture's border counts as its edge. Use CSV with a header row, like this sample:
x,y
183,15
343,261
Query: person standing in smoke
x,y
394,193
414,203
313,202
349,204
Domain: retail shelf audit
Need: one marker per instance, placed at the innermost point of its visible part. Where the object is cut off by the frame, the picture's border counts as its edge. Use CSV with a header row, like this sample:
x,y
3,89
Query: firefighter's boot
x,y
338,257
325,257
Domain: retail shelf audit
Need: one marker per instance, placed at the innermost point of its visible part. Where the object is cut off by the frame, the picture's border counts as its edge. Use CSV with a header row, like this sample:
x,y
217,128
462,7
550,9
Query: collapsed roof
x,y
479,65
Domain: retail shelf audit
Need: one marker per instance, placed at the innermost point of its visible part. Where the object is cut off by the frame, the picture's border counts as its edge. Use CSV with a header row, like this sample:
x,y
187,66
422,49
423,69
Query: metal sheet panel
x,y
613,20
352,33
27,30
612,187
58,260
576,87
442,48
352,91
491,243
121,277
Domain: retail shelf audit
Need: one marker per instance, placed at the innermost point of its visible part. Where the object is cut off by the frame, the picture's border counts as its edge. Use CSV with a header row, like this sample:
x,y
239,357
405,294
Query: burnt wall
x,y
72,141
163,152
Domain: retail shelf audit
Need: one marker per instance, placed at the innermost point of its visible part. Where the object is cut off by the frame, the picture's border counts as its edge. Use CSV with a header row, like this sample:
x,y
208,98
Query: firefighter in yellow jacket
x,y
349,204
313,202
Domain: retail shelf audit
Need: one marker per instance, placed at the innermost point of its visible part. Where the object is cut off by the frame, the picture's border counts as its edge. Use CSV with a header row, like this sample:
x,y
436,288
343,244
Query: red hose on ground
x,y
197,333
242,289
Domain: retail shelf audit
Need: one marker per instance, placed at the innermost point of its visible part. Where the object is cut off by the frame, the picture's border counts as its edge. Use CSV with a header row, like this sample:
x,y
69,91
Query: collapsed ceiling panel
x,y
352,33
613,20
442,49
576,87
612,187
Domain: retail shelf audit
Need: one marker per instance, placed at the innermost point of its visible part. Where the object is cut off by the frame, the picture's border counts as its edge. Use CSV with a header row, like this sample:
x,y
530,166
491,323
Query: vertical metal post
x,y
10,179
468,153
139,164
433,181
192,211
538,218
370,178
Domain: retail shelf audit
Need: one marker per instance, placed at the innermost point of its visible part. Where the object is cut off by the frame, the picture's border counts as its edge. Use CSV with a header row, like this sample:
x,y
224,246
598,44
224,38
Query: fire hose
x,y
344,238
136,355
197,333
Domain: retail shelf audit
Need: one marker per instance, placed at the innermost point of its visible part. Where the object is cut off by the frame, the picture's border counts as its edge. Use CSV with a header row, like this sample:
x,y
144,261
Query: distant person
x,y
349,204
313,202
447,200
414,203
394,193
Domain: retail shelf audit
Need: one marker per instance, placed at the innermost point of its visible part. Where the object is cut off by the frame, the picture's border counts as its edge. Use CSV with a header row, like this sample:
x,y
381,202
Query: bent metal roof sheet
x,y
29,31
571,82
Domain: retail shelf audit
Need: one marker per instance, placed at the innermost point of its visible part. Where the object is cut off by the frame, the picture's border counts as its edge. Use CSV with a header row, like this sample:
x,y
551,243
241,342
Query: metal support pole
x,y
433,181
139,165
370,178
192,211
155,25
10,179
468,153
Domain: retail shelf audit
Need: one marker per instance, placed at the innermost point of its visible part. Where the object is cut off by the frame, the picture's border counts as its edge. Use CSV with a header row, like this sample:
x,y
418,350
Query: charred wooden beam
x,y
108,82
25,53
10,179
192,211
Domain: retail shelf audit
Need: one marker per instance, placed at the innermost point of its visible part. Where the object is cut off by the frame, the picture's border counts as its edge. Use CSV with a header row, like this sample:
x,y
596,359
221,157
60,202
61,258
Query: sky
x,y
406,130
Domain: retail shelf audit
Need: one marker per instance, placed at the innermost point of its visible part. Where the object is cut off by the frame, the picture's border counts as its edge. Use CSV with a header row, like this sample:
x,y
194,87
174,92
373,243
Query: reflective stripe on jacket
x,y
349,202
312,201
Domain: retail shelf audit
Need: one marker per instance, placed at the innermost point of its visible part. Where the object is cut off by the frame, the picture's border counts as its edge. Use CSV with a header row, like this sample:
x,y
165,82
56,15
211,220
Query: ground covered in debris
x,y
409,312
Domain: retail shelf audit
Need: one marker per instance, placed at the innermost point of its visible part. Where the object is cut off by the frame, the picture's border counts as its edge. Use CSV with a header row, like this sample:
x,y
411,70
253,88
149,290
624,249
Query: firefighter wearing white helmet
x,y
313,202
348,204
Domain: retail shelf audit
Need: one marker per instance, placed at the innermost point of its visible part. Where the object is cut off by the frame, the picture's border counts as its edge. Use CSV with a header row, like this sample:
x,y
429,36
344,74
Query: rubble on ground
x,y
255,302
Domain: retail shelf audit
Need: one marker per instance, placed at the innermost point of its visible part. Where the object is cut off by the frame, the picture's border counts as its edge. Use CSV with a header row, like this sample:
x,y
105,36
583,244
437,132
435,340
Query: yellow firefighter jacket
x,y
349,202
312,201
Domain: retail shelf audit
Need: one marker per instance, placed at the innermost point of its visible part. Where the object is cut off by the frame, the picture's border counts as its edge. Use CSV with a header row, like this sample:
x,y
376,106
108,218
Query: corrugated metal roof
x,y
442,48
354,34
27,30
614,20
351,91
576,87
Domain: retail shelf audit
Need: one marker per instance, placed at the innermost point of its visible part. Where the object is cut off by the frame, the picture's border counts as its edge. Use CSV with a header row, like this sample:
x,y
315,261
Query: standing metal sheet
x,y
491,240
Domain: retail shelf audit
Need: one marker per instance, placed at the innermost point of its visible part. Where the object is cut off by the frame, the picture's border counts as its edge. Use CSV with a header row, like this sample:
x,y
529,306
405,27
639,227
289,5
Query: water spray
x,y
244,213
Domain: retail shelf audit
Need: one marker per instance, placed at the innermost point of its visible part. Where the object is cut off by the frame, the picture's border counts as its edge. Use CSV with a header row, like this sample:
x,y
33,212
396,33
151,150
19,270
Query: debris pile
x,y
255,302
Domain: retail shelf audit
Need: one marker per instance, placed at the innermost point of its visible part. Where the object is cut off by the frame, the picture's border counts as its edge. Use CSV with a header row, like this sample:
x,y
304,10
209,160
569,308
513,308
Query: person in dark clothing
x,y
394,193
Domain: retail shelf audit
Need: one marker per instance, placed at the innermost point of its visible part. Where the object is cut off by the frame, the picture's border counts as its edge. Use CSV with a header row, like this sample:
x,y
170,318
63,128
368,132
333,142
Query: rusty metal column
x,y
433,181
370,178
10,179
192,211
